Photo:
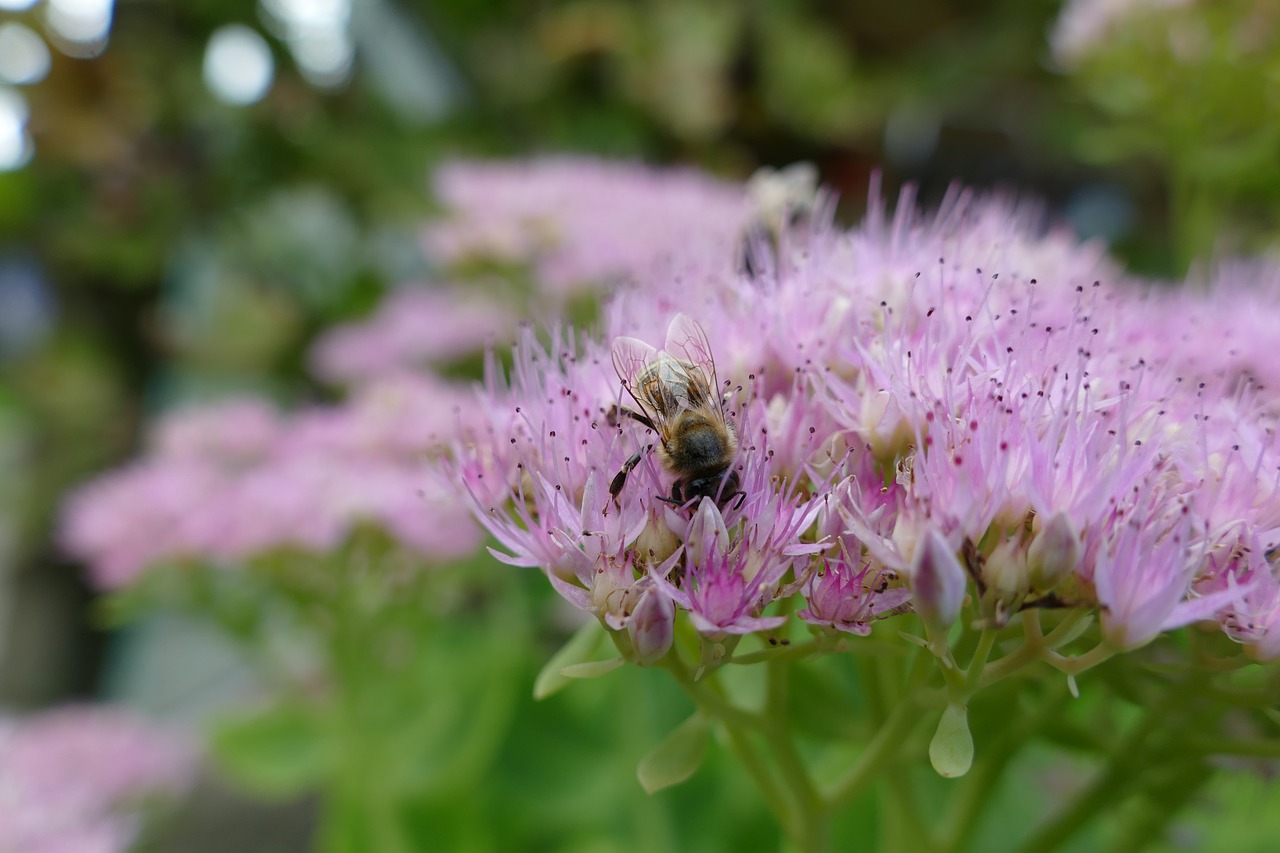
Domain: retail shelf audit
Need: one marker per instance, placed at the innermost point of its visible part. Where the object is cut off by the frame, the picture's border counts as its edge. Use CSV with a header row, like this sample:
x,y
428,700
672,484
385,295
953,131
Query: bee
x,y
676,393
783,202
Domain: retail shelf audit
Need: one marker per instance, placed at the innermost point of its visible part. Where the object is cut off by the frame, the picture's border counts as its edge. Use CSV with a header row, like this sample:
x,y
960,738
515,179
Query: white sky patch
x,y
238,68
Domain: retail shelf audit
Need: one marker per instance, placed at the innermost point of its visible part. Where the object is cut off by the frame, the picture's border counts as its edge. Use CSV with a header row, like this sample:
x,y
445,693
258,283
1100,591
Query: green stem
x,y
1072,624
813,831
1031,626
792,652
710,702
886,745
973,675
903,827
368,808
1077,664
941,651
774,797
1034,648
801,818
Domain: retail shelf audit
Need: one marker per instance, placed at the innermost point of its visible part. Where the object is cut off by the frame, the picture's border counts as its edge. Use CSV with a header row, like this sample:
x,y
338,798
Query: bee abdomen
x,y
699,450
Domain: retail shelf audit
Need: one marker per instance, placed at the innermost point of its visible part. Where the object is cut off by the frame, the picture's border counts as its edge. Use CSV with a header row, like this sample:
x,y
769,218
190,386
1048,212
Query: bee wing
x,y
687,342
630,358
630,355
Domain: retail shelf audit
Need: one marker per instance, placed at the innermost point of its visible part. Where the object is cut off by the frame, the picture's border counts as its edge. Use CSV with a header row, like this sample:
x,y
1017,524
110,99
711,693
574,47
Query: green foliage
x,y
280,751
581,648
676,757
1191,91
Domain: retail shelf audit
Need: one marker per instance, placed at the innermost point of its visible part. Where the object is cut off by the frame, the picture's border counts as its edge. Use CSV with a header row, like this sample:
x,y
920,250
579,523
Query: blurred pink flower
x,y
233,481
78,779
412,328
1085,25
583,223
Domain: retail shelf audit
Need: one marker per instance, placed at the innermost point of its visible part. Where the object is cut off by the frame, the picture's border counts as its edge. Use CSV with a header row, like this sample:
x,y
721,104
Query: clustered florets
x,y
960,384
77,778
227,483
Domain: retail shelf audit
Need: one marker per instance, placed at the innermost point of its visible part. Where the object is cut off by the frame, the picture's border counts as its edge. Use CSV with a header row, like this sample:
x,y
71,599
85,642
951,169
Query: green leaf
x,y
951,750
278,752
676,757
580,648
592,669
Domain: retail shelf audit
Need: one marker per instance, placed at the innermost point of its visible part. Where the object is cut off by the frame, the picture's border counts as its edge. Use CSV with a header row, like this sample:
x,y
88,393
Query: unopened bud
x,y
1005,572
656,542
937,581
652,626
707,533
1054,553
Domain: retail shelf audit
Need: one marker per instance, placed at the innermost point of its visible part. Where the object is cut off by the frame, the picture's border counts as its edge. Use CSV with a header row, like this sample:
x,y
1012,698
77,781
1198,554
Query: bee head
x,y
710,487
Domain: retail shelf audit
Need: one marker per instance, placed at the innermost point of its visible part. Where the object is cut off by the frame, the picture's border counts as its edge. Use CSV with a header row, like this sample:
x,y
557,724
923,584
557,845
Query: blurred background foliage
x,y
191,192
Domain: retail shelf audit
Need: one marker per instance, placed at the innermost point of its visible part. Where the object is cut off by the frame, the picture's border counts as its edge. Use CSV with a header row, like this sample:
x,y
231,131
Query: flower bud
x,y
1005,572
707,534
937,581
656,542
1054,553
652,626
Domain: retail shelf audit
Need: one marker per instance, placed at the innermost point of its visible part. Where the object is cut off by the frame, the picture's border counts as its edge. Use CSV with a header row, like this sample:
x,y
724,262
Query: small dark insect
x,y
676,391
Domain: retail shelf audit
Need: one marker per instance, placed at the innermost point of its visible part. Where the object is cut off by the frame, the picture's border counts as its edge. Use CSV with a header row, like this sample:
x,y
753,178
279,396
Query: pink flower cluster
x,y
414,327
583,222
1045,425
229,482
75,780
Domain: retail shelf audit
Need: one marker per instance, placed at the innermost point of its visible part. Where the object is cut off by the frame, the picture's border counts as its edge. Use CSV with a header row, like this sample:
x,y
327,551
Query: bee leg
x,y
615,413
620,479
738,497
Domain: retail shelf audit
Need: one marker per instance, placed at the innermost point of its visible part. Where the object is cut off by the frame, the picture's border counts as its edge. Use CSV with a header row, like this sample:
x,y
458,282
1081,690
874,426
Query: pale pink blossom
x,y
304,481
79,779
582,223
414,327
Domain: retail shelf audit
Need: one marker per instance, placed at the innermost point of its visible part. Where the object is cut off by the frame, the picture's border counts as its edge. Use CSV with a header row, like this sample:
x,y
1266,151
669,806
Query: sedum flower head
x,y
921,405
391,341
581,222
233,481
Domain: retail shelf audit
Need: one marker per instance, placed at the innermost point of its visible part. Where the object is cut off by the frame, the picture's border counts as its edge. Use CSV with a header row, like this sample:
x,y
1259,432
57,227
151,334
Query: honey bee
x,y
783,202
677,395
